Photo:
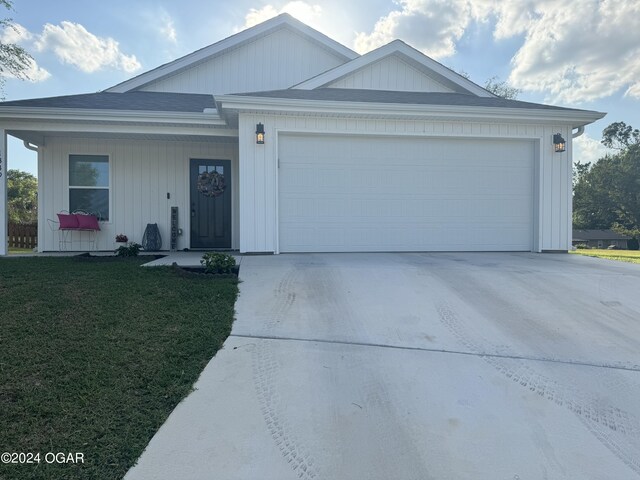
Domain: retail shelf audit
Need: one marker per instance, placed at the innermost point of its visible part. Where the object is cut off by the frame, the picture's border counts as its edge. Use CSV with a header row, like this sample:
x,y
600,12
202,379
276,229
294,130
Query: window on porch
x,y
89,184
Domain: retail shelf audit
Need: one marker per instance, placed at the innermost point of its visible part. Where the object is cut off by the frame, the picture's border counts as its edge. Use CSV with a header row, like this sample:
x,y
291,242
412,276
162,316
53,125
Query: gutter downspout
x,y
578,133
30,146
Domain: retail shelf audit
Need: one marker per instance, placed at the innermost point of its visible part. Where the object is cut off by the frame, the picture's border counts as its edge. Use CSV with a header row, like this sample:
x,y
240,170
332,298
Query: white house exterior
x,y
388,151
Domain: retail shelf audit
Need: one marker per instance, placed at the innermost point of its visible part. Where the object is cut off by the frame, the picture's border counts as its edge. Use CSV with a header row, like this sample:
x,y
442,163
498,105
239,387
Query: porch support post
x,y
4,217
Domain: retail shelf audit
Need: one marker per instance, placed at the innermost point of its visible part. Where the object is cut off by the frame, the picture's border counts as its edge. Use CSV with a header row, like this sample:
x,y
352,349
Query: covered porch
x,y
129,158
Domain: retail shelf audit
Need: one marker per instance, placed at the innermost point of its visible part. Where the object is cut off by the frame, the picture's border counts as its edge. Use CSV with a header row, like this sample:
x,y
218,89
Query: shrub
x,y
581,246
129,250
216,262
633,244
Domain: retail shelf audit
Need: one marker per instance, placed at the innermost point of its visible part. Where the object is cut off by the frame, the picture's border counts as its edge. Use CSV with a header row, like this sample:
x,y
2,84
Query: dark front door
x,y
210,203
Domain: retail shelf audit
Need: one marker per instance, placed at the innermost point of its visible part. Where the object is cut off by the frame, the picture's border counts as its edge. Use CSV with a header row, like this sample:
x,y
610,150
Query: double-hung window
x,y
89,184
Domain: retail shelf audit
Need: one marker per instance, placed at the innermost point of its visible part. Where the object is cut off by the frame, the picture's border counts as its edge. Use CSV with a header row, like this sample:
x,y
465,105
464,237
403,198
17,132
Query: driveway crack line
x,y
437,350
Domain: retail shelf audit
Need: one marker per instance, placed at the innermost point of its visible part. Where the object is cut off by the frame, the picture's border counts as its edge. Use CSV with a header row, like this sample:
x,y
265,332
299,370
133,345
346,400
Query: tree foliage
x,y
501,88
498,87
620,136
607,193
15,61
22,197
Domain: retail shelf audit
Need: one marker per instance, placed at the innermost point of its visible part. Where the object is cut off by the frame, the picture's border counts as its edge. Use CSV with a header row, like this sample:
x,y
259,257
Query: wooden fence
x,y
23,236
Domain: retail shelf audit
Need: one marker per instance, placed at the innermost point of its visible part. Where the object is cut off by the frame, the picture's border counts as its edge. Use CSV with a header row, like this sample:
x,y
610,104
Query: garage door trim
x,y
536,173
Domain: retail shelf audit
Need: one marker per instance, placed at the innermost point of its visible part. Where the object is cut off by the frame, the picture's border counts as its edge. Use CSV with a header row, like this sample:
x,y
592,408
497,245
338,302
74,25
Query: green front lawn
x,y
95,354
631,256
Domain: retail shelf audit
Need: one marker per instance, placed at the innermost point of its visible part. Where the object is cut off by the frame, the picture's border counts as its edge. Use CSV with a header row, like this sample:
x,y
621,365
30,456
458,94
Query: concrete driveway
x,y
417,366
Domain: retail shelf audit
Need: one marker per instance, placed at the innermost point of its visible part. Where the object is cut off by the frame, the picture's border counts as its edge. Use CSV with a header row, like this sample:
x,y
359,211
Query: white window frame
x,y
108,187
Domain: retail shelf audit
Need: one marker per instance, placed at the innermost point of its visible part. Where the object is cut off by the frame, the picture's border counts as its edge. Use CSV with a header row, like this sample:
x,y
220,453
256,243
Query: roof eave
x,y
574,118
210,116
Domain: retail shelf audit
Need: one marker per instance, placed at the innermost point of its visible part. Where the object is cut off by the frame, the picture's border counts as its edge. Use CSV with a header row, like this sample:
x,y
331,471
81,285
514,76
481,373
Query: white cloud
x,y
305,12
73,44
573,55
587,149
36,73
19,35
15,33
432,26
578,57
167,27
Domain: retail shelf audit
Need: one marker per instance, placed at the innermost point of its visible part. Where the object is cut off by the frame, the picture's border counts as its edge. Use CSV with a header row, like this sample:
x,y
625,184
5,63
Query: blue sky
x,y
586,57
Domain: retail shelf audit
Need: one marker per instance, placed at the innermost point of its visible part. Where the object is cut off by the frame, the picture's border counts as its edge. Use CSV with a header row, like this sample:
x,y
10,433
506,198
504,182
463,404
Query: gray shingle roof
x,y
143,101
385,96
191,102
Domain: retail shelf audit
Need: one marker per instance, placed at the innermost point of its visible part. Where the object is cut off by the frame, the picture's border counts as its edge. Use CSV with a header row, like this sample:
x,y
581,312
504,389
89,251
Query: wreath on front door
x,y
211,184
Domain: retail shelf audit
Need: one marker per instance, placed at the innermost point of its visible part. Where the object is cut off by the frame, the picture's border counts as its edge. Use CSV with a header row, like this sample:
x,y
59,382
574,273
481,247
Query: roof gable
x,y
435,77
339,52
391,72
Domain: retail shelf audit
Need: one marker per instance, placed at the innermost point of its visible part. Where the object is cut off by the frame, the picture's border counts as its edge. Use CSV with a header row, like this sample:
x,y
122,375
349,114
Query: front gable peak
x,y
395,66
328,49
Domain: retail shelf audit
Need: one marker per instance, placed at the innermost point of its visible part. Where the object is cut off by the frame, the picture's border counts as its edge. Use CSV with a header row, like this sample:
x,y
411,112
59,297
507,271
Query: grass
x,y
95,354
15,250
631,256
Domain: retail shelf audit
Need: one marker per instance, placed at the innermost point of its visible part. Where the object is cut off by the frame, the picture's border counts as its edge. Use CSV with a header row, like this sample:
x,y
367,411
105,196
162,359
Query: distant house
x,y
599,239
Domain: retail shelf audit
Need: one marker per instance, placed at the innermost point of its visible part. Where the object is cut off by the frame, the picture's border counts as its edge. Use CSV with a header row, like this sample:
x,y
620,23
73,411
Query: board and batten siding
x,y
259,169
390,73
276,61
142,172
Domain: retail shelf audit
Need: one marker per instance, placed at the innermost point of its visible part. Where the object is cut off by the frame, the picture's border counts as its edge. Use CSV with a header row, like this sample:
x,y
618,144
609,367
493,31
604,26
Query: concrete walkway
x,y
417,366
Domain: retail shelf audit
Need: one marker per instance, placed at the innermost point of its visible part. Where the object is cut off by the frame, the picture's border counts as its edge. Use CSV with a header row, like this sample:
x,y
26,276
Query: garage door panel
x,y
345,193
401,179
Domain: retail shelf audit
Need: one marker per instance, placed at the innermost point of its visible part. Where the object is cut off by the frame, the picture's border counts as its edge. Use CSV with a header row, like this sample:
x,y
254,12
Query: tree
x,y
501,88
15,61
607,193
496,86
620,136
22,197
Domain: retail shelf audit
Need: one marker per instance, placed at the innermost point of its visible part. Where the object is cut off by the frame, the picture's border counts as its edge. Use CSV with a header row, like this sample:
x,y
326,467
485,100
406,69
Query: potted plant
x,y
121,240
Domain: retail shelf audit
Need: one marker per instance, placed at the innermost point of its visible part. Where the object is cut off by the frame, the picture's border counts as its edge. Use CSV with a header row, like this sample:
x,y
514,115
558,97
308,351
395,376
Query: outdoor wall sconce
x,y
559,143
260,134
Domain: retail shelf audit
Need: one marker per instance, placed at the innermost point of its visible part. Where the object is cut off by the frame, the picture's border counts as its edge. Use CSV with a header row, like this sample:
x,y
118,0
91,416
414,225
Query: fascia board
x,y
138,116
343,70
230,43
446,73
269,105
111,128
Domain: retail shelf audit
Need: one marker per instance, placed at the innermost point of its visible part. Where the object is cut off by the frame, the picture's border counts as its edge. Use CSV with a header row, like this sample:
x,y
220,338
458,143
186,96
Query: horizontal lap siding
x,y
258,169
142,173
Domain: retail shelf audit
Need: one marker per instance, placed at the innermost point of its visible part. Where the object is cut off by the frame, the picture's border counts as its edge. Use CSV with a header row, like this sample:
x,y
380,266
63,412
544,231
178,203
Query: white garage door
x,y
350,194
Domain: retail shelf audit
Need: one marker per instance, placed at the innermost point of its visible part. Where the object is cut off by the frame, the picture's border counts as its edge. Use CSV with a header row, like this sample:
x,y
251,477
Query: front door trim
x,y
211,239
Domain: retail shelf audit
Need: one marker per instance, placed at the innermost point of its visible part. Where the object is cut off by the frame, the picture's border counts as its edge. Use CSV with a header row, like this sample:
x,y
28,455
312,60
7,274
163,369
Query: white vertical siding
x,y
390,73
4,212
258,169
142,173
275,61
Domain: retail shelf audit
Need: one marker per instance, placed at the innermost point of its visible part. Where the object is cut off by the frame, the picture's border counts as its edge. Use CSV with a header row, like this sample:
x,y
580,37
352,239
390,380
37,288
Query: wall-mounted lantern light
x,y
260,134
559,143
